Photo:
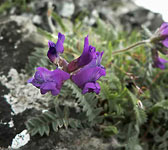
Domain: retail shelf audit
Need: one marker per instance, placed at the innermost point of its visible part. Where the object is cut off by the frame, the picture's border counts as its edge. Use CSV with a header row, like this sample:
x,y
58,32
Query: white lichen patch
x,y
20,140
11,123
23,95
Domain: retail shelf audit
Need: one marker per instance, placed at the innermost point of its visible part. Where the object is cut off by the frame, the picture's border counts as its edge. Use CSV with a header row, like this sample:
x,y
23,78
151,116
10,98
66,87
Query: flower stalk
x,y
131,47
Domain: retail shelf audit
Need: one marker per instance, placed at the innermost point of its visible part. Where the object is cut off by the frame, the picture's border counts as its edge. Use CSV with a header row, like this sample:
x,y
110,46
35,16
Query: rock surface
x,y
70,139
18,38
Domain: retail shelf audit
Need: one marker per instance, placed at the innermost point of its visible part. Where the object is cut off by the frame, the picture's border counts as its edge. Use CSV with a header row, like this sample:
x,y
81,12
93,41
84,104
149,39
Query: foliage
x,y
19,4
130,81
88,102
41,124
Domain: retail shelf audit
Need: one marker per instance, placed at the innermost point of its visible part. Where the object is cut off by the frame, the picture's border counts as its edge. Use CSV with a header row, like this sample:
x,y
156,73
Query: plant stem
x,y
130,47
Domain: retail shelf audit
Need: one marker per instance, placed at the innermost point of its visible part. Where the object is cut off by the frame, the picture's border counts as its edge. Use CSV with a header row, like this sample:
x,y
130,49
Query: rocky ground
x,y
19,37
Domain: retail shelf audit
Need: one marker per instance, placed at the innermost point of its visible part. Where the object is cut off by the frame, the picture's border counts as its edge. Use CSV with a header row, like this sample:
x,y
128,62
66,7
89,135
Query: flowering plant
x,y
83,71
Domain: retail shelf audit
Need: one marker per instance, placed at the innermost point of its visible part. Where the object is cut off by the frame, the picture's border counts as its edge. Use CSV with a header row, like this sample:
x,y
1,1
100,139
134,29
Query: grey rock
x,y
37,20
66,9
141,16
18,38
92,19
71,139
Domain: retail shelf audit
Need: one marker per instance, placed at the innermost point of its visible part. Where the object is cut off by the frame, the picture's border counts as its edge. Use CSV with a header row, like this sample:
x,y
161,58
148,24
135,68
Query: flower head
x,y
160,63
87,76
164,33
55,49
47,80
160,44
86,57
157,61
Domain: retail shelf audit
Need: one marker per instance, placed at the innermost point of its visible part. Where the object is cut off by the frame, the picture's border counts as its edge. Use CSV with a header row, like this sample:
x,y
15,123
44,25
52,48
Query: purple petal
x,y
97,59
88,75
59,76
55,92
88,54
45,73
59,46
52,52
48,86
43,91
39,76
164,29
36,83
48,80
165,42
30,80
61,37
86,45
55,49
91,87
51,44
164,25
160,63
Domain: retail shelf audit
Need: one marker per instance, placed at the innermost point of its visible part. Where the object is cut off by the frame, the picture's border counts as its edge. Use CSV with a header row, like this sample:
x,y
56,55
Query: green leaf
x,y
41,130
160,105
50,115
55,125
47,129
59,112
111,130
58,20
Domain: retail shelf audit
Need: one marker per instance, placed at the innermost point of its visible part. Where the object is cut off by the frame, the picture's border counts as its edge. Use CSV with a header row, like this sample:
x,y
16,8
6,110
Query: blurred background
x,y
25,28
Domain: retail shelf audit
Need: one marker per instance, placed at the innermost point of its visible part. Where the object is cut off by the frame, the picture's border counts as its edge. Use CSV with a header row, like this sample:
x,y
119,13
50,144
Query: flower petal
x,y
49,86
55,92
55,49
59,46
165,42
86,57
52,52
88,75
43,91
160,63
164,29
30,80
91,87
48,80
61,37
58,76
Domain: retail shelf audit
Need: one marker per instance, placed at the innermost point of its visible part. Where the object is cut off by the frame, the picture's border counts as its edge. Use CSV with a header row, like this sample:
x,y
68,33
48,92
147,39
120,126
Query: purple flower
x,y
87,76
47,80
86,57
164,33
158,62
55,49
160,40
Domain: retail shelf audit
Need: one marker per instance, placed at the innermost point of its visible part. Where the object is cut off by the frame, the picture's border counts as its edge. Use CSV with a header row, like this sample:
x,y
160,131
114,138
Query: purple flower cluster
x,y
83,71
163,44
86,77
